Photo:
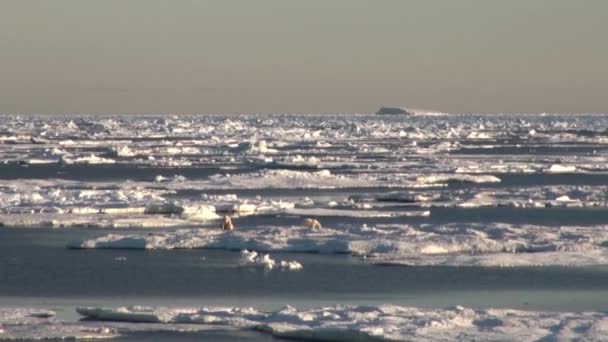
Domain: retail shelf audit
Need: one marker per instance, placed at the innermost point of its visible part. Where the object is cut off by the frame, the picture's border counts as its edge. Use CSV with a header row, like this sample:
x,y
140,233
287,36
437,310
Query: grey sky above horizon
x,y
317,56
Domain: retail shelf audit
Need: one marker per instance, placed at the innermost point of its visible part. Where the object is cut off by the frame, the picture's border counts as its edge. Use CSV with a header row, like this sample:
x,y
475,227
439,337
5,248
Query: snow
x,y
373,323
298,160
497,244
557,168
189,212
130,219
289,179
40,324
311,156
375,182
122,151
64,203
255,147
90,159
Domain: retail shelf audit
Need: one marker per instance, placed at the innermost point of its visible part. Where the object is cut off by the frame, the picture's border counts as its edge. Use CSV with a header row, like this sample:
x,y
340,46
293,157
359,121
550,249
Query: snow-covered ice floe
x,y
118,221
307,141
376,323
39,324
458,178
355,213
557,168
332,323
29,324
60,203
289,179
497,244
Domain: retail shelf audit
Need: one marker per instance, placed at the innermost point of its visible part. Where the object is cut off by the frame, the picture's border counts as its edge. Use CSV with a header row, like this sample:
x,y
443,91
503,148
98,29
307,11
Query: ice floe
x,y
39,324
355,213
73,203
557,168
375,323
497,244
190,212
290,179
334,168
456,178
90,159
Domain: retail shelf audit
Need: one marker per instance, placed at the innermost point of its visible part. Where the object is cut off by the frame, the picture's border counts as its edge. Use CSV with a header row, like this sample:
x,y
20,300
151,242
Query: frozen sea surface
x,y
420,216
335,323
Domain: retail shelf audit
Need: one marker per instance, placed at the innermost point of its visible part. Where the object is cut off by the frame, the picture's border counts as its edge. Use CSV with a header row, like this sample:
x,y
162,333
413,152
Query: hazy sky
x,y
219,56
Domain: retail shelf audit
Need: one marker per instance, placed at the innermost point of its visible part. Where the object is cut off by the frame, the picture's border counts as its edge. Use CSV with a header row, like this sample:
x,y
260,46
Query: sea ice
x,y
557,168
458,178
376,323
497,244
252,258
20,324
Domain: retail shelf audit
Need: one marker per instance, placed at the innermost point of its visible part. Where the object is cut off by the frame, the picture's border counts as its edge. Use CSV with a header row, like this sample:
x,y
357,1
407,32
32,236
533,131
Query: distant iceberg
x,y
407,111
393,111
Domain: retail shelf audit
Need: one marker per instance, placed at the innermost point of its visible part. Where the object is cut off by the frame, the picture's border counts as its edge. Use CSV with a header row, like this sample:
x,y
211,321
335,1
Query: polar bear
x,y
226,223
312,223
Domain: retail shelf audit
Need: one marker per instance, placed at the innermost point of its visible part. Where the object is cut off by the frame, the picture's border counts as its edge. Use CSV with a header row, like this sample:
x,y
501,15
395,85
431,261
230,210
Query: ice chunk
x,y
291,265
255,147
457,178
164,208
189,212
121,151
558,168
90,159
252,258
200,212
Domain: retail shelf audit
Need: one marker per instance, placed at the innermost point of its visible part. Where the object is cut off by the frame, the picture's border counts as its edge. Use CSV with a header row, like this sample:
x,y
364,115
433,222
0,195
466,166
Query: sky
x,y
308,56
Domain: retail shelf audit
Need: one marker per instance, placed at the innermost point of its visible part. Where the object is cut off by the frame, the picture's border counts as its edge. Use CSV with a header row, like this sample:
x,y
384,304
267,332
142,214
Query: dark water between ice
x,y
38,271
